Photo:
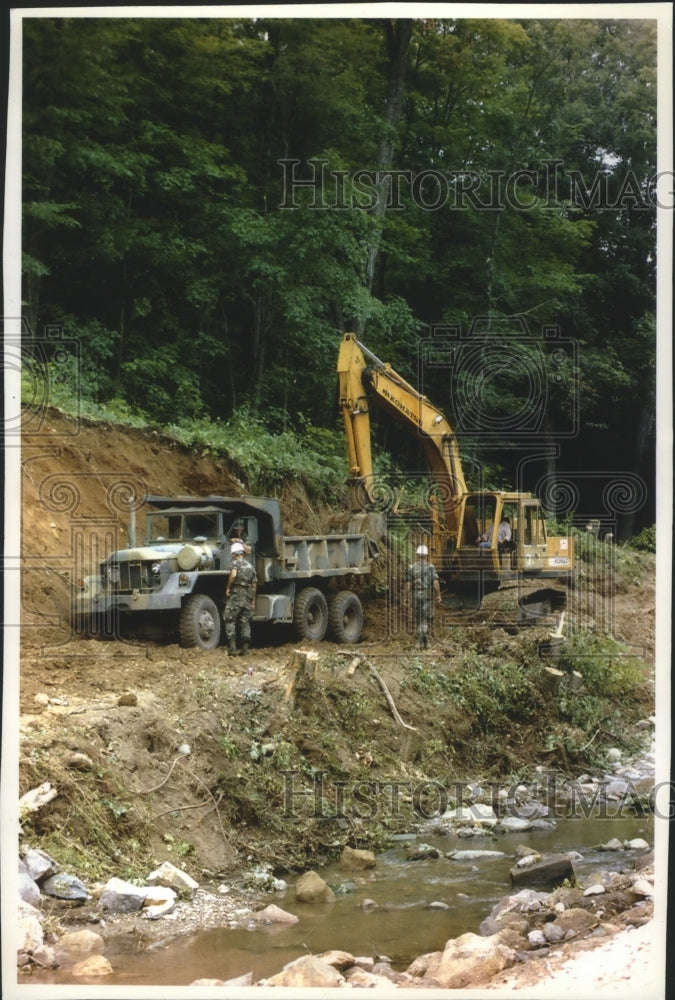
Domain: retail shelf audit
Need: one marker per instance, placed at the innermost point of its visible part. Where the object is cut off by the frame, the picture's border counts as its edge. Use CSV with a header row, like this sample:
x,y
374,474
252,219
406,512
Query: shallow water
x,y
401,927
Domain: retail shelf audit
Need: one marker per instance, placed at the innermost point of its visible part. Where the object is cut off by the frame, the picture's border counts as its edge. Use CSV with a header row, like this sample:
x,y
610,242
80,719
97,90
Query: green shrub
x,y
606,666
645,541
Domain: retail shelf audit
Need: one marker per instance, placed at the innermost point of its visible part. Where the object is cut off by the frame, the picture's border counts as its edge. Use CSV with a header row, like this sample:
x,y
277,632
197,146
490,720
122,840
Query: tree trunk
x,y
398,35
261,325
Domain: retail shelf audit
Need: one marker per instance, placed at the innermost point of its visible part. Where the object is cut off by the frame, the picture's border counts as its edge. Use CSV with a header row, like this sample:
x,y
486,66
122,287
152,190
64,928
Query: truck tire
x,y
199,622
345,617
310,614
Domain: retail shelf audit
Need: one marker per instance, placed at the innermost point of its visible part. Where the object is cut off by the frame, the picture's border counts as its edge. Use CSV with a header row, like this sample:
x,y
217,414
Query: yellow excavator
x,y
476,540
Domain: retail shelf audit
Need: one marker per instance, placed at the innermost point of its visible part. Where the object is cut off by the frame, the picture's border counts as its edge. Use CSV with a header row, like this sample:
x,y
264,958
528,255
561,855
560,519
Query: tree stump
x,y
549,680
576,681
301,669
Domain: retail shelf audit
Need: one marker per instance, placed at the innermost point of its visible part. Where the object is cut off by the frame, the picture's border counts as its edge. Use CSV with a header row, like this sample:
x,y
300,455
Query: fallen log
x,y
359,661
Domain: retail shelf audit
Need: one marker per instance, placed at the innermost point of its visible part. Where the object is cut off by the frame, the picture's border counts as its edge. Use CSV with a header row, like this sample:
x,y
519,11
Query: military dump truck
x,y
175,580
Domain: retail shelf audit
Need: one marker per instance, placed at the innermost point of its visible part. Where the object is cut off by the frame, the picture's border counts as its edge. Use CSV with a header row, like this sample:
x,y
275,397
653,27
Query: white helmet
x,y
422,550
237,548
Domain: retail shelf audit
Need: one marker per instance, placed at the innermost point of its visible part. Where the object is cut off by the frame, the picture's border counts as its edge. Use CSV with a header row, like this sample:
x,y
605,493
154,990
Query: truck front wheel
x,y
199,622
310,614
345,617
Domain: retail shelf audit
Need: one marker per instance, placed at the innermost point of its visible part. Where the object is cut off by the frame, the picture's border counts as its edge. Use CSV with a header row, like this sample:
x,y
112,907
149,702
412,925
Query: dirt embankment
x,y
108,723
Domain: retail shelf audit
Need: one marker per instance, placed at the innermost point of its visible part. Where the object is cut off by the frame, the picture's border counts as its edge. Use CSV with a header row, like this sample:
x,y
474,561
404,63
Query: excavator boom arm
x,y
359,383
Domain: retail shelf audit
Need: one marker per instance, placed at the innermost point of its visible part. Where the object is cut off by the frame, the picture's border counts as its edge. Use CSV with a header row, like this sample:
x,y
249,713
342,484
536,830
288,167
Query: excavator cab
x,y
477,539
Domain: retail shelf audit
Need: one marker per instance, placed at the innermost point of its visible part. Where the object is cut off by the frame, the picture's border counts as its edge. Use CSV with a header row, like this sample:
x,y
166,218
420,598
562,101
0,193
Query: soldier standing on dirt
x,y
240,593
422,583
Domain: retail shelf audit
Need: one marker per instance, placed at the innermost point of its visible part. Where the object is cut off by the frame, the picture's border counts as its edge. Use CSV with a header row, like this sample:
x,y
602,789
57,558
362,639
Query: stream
x,y
402,926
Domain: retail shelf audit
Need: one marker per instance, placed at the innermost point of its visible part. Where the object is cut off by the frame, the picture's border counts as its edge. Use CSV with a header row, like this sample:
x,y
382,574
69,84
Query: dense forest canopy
x,y
209,203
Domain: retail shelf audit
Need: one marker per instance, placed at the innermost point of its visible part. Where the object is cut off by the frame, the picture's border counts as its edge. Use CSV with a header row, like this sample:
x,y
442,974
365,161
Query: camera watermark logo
x,y
316,186
322,798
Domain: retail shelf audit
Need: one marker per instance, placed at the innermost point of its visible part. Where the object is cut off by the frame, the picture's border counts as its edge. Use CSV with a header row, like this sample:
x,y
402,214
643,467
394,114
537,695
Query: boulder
x,y
129,699
385,970
365,962
39,864
64,886
45,956
339,959
553,932
515,824
307,971
510,911
357,977
420,852
122,897
35,799
423,965
311,888
617,790
80,762
355,859
528,860
551,870
174,878
478,814
245,980
641,887
575,921
29,890
612,845
82,942
470,960
637,844
160,899
273,914
94,965
30,934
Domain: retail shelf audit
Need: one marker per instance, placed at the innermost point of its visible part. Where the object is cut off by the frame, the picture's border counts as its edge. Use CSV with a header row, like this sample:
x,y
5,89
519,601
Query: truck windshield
x,y
165,527
201,525
182,527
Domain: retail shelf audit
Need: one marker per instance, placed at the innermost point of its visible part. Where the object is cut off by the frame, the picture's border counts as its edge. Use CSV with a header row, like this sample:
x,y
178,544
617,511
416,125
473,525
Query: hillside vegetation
x,y
245,190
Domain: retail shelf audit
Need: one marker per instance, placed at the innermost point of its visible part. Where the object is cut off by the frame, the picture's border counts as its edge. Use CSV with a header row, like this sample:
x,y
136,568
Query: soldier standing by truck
x,y
240,593
422,583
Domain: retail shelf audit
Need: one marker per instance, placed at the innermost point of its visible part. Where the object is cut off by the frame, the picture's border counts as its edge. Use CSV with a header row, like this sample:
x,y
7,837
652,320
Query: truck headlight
x,y
156,568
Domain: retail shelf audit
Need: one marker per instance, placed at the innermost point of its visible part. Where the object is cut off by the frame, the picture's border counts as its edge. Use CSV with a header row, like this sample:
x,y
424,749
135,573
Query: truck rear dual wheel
x,y
199,622
313,617
310,614
345,617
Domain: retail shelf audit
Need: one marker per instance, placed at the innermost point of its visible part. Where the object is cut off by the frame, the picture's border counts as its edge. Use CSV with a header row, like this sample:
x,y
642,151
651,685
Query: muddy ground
x,y
163,753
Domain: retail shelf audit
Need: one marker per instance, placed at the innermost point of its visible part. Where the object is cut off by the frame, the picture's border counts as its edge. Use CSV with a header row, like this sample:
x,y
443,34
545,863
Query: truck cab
x,y
176,578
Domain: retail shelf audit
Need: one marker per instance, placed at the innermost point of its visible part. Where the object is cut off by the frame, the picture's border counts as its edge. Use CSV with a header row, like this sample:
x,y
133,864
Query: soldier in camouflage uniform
x,y
240,593
422,584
